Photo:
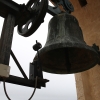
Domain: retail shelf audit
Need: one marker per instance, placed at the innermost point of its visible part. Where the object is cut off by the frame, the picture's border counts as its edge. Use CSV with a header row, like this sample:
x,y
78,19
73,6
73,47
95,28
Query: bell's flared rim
x,y
68,45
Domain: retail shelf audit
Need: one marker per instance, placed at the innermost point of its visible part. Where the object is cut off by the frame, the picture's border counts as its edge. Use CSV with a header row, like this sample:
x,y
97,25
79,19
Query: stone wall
x,y
88,82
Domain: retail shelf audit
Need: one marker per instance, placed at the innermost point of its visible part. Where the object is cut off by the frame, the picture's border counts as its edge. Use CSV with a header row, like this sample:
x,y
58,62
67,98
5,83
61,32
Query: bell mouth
x,y
67,58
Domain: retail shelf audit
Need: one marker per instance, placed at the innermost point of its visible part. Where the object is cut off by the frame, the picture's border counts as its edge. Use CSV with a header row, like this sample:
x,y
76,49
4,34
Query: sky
x,y
60,87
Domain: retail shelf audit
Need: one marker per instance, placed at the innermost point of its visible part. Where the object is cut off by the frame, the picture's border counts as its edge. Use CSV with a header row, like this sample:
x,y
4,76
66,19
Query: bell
x,y
65,51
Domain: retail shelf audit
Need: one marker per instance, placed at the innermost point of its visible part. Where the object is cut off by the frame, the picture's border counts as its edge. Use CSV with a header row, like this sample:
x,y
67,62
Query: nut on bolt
x,y
37,46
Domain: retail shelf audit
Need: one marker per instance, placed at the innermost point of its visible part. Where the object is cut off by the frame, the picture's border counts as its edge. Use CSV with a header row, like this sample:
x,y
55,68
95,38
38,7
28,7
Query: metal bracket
x,y
5,51
4,70
64,5
96,48
35,66
54,10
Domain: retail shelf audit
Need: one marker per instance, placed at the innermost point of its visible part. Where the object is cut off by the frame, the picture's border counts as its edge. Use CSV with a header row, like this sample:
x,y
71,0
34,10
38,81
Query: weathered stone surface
x,y
88,82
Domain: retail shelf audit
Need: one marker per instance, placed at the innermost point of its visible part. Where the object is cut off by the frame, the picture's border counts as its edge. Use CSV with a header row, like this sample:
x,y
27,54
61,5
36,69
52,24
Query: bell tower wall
x,y
88,82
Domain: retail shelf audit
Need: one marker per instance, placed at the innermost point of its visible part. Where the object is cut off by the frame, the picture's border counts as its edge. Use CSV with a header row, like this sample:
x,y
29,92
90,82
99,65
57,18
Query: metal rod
x,y
19,66
24,82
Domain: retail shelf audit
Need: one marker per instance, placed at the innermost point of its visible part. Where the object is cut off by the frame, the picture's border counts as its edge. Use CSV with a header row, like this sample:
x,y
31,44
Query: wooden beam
x,y
6,39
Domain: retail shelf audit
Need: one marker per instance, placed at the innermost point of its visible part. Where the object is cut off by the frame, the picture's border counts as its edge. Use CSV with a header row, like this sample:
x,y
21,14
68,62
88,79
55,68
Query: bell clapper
x,y
68,63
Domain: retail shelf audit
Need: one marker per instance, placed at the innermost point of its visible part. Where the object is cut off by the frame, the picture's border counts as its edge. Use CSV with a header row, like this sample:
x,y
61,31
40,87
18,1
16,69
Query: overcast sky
x,y
60,87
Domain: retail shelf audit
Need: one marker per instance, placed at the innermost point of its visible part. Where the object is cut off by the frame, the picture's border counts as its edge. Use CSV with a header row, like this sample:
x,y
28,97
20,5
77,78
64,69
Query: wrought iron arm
x,y
19,66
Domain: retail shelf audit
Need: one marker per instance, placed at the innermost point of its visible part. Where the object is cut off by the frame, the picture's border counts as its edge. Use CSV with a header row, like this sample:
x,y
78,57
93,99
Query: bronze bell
x,y
65,50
